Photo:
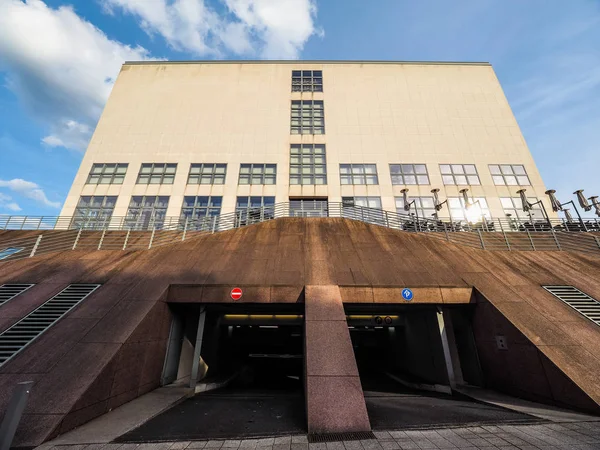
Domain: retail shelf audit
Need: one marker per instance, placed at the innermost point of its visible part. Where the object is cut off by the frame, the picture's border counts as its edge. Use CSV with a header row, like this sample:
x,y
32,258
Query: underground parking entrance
x,y
410,357
246,363
248,373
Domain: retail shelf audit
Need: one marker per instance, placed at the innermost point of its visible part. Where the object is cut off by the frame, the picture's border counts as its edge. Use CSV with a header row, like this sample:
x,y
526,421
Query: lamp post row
x,y
526,205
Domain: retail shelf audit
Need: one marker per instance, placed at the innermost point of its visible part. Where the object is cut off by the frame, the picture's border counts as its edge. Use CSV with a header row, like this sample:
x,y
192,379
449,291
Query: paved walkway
x,y
573,435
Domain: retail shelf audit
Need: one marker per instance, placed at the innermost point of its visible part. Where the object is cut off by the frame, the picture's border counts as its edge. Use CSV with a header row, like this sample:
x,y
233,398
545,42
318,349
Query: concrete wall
x,y
382,113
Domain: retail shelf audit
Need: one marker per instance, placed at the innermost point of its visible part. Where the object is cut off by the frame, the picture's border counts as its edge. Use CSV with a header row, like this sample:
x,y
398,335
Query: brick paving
x,y
571,436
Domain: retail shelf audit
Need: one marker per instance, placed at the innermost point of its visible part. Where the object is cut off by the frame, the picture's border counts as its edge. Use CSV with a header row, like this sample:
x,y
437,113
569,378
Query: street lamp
x,y
558,206
528,206
469,204
407,204
436,202
596,204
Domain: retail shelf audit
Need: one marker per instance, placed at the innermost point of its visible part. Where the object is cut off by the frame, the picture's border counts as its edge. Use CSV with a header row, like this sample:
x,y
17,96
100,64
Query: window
x,y
424,205
358,208
309,208
475,213
199,212
509,175
409,174
308,117
307,164
254,209
258,173
207,174
154,173
358,174
94,211
9,251
107,174
461,174
307,81
147,212
514,207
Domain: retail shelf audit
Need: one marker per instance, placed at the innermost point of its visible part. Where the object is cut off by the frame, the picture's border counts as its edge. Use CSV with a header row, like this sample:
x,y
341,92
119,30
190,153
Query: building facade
x,y
197,139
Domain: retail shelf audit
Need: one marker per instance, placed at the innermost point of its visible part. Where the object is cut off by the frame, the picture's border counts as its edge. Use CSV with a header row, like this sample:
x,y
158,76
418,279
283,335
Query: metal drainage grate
x,y
581,302
10,291
26,330
333,437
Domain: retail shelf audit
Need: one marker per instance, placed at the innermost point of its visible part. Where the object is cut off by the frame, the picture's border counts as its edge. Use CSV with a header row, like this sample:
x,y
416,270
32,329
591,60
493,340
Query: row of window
x,y
308,167
149,209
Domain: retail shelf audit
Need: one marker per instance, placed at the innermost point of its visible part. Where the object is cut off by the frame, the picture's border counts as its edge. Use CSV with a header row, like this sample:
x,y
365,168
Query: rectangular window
x,y
9,251
460,174
409,174
474,213
307,164
157,173
207,174
358,174
197,213
147,212
365,209
94,211
107,174
308,117
513,206
509,175
307,81
254,209
424,206
309,208
258,174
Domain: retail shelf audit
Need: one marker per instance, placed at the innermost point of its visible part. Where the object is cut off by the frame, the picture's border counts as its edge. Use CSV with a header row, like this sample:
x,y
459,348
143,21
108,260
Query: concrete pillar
x,y
197,348
449,345
334,398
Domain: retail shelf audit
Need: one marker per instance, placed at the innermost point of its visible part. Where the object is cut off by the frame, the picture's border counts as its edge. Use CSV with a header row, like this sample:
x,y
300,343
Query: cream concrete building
x,y
366,126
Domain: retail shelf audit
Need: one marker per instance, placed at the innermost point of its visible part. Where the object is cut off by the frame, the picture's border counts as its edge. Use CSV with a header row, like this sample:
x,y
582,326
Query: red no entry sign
x,y
236,293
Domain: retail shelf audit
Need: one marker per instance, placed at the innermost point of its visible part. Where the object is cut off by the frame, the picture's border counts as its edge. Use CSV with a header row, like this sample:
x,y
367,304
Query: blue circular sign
x,y
407,294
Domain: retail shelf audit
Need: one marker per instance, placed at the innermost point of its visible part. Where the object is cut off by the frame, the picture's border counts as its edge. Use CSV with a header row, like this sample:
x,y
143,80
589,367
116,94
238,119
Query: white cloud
x,y
60,66
30,190
6,203
271,29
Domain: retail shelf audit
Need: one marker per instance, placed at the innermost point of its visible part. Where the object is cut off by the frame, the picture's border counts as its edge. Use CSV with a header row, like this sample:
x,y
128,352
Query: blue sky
x,y
58,59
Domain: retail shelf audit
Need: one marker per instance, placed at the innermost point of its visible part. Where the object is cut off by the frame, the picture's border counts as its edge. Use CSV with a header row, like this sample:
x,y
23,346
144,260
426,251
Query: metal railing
x,y
50,234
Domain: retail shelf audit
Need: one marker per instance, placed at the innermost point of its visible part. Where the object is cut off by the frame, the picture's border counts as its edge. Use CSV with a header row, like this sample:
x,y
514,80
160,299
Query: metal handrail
x,y
122,233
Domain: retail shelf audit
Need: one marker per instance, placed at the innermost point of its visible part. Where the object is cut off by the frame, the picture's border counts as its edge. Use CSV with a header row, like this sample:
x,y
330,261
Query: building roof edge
x,y
297,61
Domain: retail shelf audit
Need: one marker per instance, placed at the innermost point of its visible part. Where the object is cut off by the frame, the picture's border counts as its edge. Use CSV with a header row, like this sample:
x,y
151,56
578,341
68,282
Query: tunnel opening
x,y
249,371
409,357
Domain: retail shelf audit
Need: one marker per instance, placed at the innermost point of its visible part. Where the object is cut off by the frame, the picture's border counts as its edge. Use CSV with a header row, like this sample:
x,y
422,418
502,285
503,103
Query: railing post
x,y
214,223
481,239
446,231
14,411
556,239
77,239
387,219
7,222
530,239
152,236
597,241
185,229
36,245
101,239
506,240
126,239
